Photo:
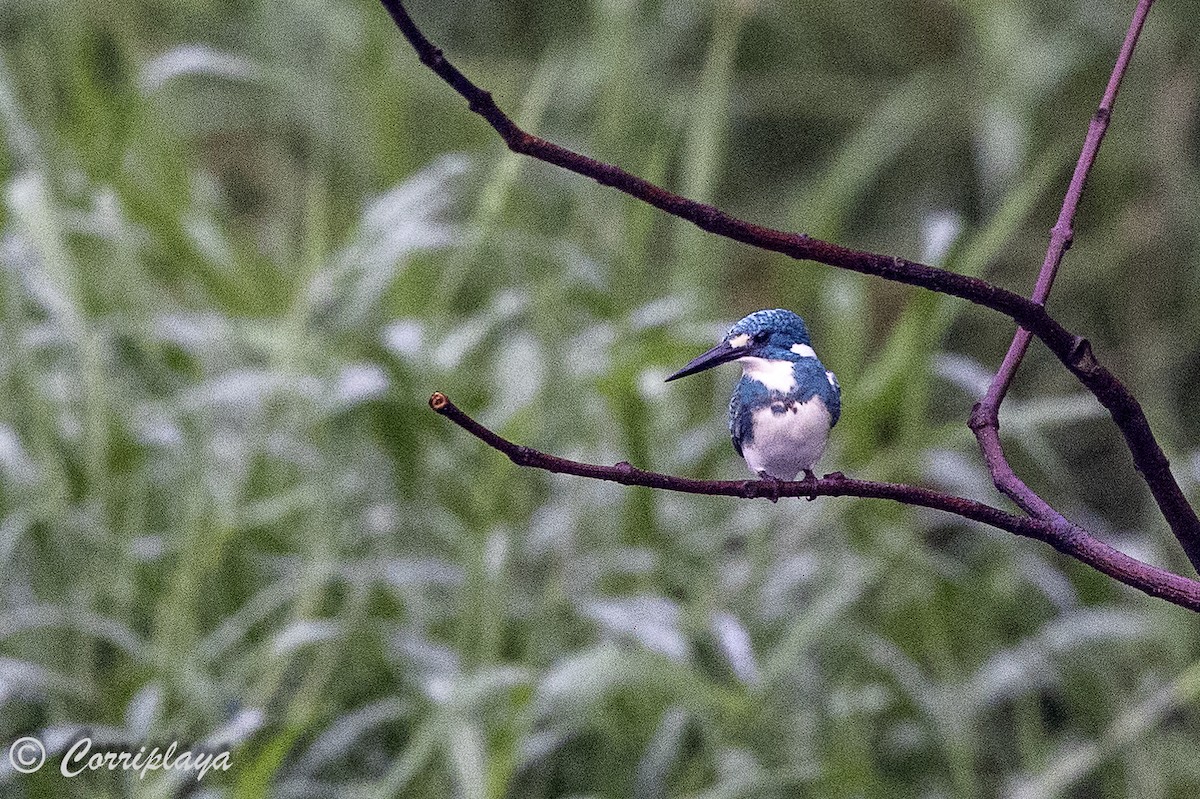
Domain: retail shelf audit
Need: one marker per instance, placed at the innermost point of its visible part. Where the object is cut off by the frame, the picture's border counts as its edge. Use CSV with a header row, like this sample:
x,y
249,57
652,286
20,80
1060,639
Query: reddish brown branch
x,y
1066,538
713,220
1063,232
985,417
1074,351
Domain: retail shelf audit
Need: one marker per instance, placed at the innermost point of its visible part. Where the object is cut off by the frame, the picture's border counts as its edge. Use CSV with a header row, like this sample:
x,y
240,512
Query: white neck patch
x,y
804,351
775,375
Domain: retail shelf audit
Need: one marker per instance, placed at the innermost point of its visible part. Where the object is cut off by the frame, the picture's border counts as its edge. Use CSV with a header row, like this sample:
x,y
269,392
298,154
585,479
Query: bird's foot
x,y
811,477
772,485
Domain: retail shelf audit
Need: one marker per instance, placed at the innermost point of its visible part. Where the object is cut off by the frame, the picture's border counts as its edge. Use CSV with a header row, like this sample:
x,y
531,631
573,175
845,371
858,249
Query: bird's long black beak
x,y
722,353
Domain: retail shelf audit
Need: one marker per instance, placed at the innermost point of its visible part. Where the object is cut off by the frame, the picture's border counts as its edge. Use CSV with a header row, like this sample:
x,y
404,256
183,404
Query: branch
x,y
985,419
1074,351
1065,537
1063,232
708,218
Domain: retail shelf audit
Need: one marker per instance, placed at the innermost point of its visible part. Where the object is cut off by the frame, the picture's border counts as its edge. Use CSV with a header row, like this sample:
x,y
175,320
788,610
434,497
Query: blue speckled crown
x,y
777,320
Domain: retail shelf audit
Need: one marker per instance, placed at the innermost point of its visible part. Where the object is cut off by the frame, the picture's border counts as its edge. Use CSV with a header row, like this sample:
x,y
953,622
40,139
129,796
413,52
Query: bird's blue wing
x,y
735,424
812,380
747,395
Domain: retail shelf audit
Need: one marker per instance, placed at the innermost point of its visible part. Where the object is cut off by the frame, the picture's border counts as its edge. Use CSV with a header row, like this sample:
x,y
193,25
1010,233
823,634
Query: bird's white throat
x,y
775,375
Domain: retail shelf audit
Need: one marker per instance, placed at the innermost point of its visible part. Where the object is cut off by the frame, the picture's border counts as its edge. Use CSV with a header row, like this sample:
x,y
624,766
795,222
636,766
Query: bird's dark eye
x,y
761,336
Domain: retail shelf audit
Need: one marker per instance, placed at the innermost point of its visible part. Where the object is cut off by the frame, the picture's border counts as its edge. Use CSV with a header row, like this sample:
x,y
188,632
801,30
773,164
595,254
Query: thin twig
x,y
1066,538
1063,232
1074,351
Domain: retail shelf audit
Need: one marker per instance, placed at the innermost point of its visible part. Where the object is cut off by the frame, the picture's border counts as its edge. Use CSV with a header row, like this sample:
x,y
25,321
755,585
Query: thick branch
x,y
1066,538
985,417
1073,351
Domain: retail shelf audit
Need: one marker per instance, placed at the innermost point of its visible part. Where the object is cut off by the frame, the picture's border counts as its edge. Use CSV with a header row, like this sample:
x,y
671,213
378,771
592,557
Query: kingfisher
x,y
785,404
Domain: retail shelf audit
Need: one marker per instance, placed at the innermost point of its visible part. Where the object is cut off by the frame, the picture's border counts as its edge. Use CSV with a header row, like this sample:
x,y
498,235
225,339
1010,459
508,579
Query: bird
x,y
786,402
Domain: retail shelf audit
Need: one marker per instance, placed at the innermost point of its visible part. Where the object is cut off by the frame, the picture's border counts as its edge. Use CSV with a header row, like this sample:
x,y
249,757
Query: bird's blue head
x,y
773,335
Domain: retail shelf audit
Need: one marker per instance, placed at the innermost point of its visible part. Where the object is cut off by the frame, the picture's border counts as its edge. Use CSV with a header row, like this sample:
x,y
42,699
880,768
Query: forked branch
x,y
1066,538
985,420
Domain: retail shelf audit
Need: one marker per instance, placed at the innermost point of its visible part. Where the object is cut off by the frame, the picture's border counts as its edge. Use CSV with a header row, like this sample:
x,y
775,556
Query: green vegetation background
x,y
243,241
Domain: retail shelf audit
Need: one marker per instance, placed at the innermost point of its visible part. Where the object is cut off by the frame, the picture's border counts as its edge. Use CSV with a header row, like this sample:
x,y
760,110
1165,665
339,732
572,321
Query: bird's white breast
x,y
783,444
